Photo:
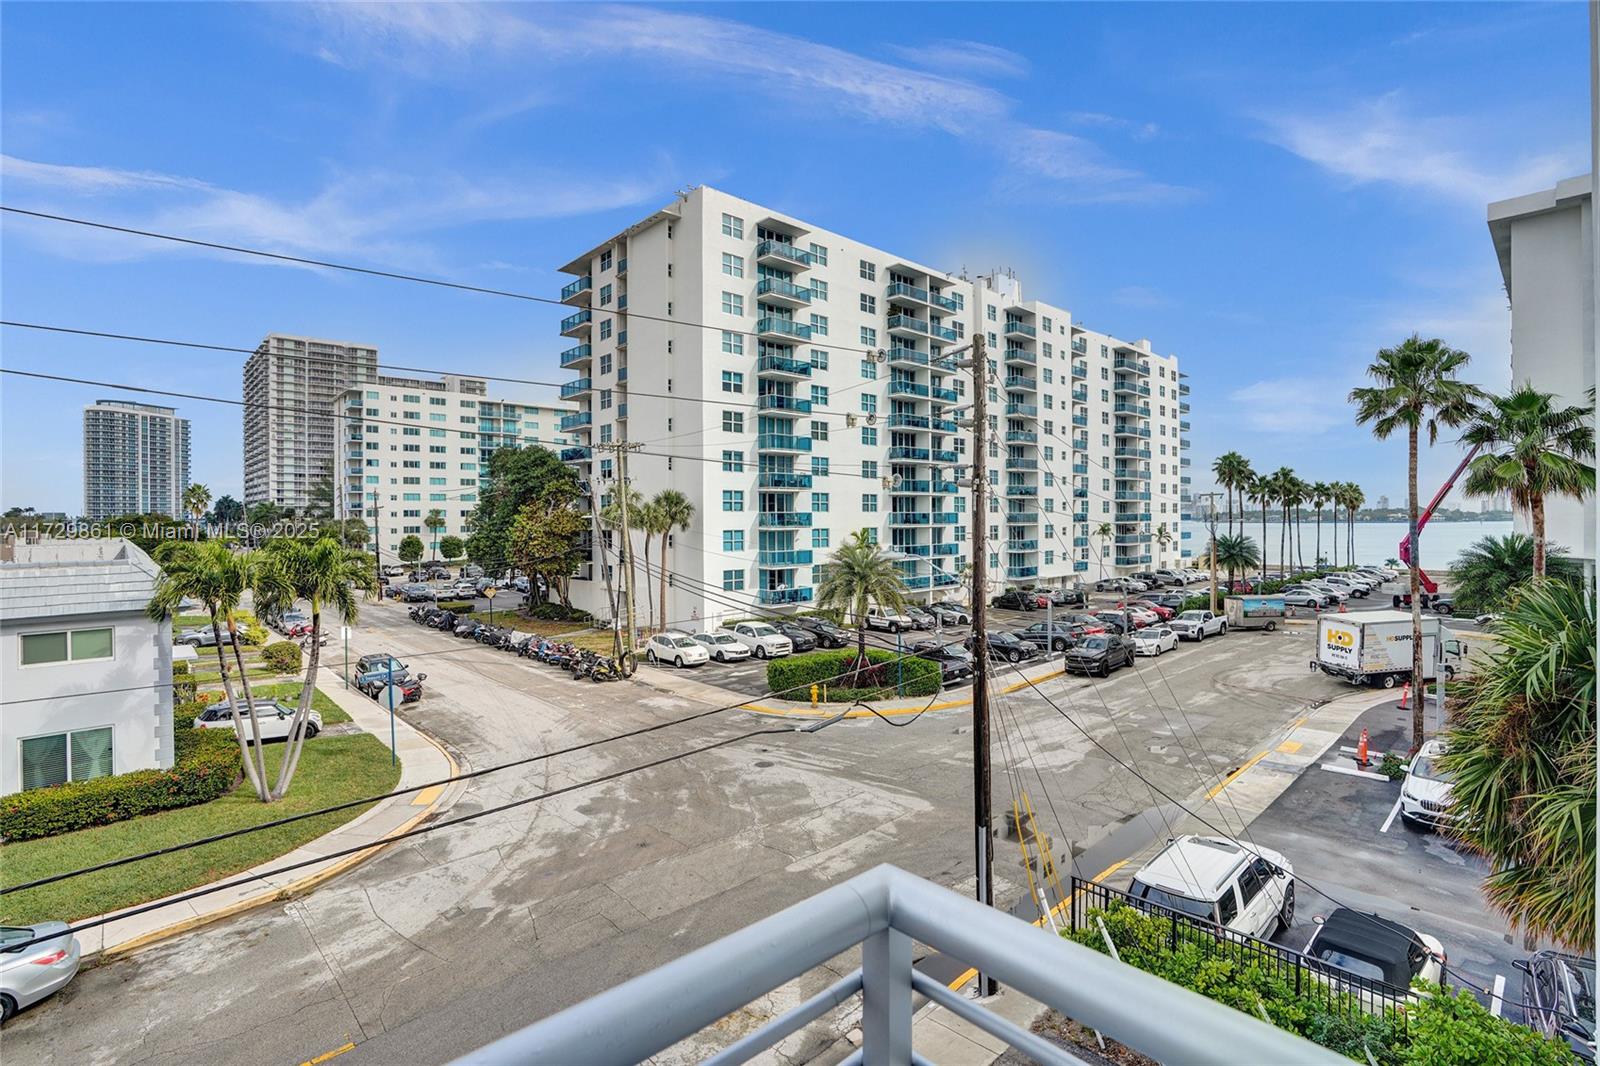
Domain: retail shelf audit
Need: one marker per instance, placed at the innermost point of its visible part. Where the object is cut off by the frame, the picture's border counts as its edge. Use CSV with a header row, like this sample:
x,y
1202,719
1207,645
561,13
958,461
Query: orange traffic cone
x,y
1405,697
1342,608
1361,749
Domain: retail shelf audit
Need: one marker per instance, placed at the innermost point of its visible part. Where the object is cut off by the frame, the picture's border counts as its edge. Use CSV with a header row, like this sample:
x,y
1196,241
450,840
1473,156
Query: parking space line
x,y
1387,822
326,1055
1226,781
1497,998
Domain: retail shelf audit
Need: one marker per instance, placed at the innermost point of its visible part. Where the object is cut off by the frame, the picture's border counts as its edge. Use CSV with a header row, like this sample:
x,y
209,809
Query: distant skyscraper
x,y
291,386
135,459
1383,503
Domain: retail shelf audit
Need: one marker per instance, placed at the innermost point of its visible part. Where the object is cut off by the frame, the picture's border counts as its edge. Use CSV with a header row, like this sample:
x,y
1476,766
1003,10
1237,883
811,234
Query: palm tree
x,y
1163,535
1354,500
1415,386
196,498
611,518
1531,449
860,575
1232,472
675,512
1235,553
208,571
433,523
1259,490
1319,499
1279,484
326,574
647,519
1103,531
1487,570
1520,750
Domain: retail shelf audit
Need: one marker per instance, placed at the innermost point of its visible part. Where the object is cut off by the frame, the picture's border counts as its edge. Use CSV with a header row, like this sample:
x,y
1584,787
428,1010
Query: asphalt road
x,y
444,943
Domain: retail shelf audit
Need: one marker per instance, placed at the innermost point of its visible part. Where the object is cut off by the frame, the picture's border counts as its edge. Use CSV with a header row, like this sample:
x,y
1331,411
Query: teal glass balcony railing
x,y
908,322
1021,355
575,419
943,486
909,518
1123,407
785,595
578,353
948,303
913,486
576,321
1019,463
944,425
919,581
1079,370
1080,468
783,288
1080,394
1125,452
1016,573
1080,420
1021,436
1022,545
900,420
779,364
1023,518
945,395
622,339
576,287
576,388
1023,410
908,355
783,519
907,388
941,579
942,333
945,518
1080,542
1017,381
1080,564
777,559
622,411
943,455
946,549
1080,493
781,250
785,327
769,401
1022,490
573,455
906,292
909,454
782,442
783,479
1017,328
1184,425
1130,494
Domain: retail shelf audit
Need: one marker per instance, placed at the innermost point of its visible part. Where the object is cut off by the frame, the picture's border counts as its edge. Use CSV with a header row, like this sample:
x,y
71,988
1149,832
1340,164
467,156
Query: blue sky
x,y
1271,192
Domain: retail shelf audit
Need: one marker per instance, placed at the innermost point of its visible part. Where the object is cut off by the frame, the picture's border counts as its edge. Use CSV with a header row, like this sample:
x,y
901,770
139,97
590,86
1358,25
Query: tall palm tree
x,y
1415,386
1319,499
1235,553
1232,471
1487,570
1531,449
208,571
433,523
860,575
1259,489
1520,750
1281,484
196,498
326,574
1103,531
611,518
647,519
674,511
1354,500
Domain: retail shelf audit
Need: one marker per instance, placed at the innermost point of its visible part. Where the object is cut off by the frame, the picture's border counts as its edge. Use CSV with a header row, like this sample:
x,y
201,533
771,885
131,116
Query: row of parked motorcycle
x,y
579,662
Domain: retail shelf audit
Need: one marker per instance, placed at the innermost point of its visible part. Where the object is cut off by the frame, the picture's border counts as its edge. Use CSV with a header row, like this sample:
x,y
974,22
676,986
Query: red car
x,y
1241,586
1166,613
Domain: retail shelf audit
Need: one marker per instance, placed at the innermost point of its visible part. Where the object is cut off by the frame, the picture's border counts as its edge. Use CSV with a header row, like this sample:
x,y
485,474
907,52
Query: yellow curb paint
x,y
890,712
1226,781
293,888
1101,876
426,797
326,1055
1289,747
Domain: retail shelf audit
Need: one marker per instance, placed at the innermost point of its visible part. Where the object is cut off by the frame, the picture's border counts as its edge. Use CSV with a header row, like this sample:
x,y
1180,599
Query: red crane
x,y
1428,584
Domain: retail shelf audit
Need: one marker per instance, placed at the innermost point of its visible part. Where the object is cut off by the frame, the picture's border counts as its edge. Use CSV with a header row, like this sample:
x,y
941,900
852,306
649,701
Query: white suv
x,y
1245,890
677,648
762,640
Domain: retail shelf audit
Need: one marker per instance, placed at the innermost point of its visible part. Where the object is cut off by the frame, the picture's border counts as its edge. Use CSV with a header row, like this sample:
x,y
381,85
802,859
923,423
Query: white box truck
x,y
1374,648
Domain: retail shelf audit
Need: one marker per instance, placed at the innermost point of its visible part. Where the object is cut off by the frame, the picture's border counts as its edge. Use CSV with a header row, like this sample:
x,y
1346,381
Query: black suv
x,y
1058,635
955,662
1016,600
1006,646
1099,654
826,633
801,638
1064,597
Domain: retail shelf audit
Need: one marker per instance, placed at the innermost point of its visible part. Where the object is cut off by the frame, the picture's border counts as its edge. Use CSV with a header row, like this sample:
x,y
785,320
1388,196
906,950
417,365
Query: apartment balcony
x,y
944,303
783,519
943,487
1131,364
1080,394
907,326
1183,407
622,266
1080,493
781,366
576,388
899,290
914,455
1123,407
946,549
1131,560
1127,430
946,395
1080,444
782,442
622,340
908,388
1016,381
1080,370
1080,516
912,487
577,324
1019,463
1124,539
1021,357
945,518
622,375
774,327
1021,491
918,581
910,518
576,455
1183,390
1126,452
576,356
1021,436
1022,410
901,420
914,549
622,412
783,479
1130,494
907,357
1125,386
1081,421
1185,535
1022,545
1080,564
782,293
1130,474
1080,468
1015,328
1022,518
576,420
1183,425
1018,573
944,580
944,425
776,560
1124,518
785,595
780,253
771,401
1185,462
943,333
1080,542
578,291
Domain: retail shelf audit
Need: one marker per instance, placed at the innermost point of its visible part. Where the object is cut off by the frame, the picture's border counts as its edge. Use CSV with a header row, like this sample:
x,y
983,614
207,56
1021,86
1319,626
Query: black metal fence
x,y
1338,990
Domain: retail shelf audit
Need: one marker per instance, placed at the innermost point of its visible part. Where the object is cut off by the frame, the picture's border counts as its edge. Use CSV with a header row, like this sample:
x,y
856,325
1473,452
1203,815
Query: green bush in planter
x,y
792,676
283,656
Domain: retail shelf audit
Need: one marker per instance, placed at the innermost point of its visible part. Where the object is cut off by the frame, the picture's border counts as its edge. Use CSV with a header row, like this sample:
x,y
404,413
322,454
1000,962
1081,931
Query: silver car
x,y
29,974
724,648
275,718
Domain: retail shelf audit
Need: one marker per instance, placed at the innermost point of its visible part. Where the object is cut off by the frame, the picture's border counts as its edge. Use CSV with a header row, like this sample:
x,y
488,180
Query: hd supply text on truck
x,y
1374,648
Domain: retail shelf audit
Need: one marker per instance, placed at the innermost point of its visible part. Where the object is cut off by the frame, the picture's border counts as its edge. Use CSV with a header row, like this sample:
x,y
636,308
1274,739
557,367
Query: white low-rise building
x,y
85,674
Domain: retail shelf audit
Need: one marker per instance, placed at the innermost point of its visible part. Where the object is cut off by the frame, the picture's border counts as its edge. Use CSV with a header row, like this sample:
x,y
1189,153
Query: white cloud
x,y
971,57
1294,405
1139,296
1139,131
438,41
1378,141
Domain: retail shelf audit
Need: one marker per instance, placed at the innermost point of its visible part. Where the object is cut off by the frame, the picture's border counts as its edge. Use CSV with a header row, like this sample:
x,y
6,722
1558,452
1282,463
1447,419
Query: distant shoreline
x,y
1305,517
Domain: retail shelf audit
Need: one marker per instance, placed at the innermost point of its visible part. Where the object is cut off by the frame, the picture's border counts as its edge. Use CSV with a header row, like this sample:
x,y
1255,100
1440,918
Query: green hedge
x,y
792,676
206,766
283,656
183,683
1441,1029
456,606
554,612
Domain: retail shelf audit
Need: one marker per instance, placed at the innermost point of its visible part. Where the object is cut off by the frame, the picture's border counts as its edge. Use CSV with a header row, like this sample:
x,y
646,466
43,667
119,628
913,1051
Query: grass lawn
x,y
597,640
332,770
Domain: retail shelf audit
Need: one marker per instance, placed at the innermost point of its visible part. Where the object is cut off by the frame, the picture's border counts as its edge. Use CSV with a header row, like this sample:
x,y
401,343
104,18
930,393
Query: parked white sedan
x,y
1154,640
677,648
274,717
723,647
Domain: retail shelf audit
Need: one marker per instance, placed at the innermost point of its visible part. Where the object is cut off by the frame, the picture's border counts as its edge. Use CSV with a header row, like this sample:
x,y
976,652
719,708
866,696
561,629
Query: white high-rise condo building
x,y
135,459
788,380
291,386
1546,245
412,446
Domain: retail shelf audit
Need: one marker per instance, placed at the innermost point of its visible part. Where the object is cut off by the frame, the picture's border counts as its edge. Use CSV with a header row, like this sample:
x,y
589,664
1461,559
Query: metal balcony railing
x,y
886,912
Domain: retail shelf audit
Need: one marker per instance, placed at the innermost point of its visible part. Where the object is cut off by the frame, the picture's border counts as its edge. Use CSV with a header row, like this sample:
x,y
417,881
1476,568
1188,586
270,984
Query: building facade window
x,y
732,499
733,580
732,381
733,265
732,303
76,645
732,226
62,757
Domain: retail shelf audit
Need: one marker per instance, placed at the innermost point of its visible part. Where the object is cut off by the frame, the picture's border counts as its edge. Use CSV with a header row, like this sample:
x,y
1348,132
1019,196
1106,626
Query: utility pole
x,y
1211,524
377,549
982,816
627,660
597,550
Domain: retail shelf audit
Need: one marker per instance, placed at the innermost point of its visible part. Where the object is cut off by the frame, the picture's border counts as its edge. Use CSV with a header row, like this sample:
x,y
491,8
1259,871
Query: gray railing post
x,y
886,999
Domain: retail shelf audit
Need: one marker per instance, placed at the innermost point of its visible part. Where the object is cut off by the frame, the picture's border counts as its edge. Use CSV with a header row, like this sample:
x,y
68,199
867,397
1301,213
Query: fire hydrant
x,y
813,694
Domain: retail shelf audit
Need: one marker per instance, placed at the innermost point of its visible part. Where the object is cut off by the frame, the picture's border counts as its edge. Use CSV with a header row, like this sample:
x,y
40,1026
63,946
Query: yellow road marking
x,y
1101,876
1289,747
427,796
890,712
326,1055
1226,781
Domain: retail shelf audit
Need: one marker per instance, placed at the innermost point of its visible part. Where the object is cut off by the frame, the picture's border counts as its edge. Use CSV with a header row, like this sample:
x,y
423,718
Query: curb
x,y
830,710
289,891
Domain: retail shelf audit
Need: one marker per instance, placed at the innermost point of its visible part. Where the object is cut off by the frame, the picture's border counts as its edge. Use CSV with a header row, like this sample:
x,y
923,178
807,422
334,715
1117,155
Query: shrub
x,y
792,677
456,606
283,656
183,683
206,766
555,612
1392,767
1453,1027
250,630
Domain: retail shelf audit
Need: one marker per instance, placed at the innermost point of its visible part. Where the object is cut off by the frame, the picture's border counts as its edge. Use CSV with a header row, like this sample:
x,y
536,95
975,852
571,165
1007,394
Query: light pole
x,y
393,757
345,632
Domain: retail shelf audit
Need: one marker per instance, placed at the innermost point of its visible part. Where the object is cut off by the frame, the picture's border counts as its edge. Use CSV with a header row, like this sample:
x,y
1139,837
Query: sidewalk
x,y
421,760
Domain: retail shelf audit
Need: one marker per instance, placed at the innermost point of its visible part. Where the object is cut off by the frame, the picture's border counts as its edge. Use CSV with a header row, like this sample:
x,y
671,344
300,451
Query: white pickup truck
x,y
885,619
1198,625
